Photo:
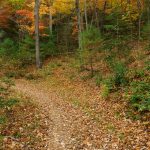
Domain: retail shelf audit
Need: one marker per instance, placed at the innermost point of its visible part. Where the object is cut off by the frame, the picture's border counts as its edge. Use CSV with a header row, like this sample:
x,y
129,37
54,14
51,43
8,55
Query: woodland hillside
x,y
74,74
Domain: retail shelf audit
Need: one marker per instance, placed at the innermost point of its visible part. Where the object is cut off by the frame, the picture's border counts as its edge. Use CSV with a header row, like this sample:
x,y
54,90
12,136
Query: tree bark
x,y
103,17
79,24
37,41
50,18
85,14
139,23
50,23
96,13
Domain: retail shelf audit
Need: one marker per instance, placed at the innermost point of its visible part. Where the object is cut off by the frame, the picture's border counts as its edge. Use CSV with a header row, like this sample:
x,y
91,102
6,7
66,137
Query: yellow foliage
x,y
63,6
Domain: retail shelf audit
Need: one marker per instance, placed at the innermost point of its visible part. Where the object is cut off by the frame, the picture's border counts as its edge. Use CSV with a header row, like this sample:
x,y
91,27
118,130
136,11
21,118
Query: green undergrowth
x,y
123,80
126,79
118,76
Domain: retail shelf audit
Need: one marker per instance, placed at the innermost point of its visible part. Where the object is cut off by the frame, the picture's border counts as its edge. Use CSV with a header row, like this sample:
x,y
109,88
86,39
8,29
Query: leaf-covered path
x,y
70,128
57,119
59,115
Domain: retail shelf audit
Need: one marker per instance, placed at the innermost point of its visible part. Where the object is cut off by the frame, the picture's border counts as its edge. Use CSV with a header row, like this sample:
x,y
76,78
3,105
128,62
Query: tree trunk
x,y
37,44
50,23
103,17
96,13
139,23
50,18
85,14
79,24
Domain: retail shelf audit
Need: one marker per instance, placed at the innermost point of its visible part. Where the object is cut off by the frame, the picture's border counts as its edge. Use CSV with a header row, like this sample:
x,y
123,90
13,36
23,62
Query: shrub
x,y
108,86
117,79
119,72
147,65
7,47
140,96
27,44
115,33
25,54
146,31
91,38
48,46
90,41
98,79
21,53
25,58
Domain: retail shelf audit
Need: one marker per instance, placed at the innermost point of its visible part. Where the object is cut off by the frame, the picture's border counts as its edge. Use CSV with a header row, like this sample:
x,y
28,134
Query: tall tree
x,y
79,23
37,43
85,13
103,16
139,6
50,17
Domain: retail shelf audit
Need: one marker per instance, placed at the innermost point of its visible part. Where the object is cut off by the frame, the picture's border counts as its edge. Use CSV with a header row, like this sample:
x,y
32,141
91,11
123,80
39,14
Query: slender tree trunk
x,y
82,21
96,13
91,23
80,46
37,44
50,23
50,18
131,31
79,24
103,17
117,33
139,27
148,18
139,23
85,14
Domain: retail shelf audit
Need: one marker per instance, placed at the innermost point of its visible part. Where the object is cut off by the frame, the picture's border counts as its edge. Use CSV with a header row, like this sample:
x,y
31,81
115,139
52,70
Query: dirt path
x,y
57,119
71,129
61,117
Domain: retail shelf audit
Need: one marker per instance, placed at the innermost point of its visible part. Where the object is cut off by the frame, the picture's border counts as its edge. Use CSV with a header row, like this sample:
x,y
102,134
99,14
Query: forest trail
x,y
58,120
72,129
68,127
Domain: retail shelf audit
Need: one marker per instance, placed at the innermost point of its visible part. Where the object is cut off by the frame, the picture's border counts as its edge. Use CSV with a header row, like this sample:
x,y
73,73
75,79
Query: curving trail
x,y
63,120
58,120
72,129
